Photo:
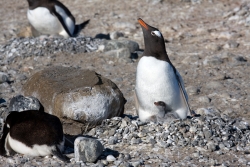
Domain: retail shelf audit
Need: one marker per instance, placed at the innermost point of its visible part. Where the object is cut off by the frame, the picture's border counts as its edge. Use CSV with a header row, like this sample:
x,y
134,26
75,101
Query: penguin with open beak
x,y
157,80
51,17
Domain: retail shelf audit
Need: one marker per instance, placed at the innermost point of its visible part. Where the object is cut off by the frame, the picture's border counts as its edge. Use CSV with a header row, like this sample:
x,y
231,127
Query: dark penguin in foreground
x,y
33,133
51,17
157,80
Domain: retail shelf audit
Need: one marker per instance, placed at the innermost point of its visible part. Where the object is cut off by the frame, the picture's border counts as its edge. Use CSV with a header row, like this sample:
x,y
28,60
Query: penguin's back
x,y
35,127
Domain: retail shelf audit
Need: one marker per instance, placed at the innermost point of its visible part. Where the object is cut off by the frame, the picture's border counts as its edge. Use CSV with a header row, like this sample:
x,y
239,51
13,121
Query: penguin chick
x,y
167,115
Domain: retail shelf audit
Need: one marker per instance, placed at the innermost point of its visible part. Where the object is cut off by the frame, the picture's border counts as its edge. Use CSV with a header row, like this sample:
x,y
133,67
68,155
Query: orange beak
x,y
142,23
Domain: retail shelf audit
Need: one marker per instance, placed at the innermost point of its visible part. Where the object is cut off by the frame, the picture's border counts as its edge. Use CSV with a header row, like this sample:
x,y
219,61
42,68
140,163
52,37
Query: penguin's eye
x,y
152,33
156,33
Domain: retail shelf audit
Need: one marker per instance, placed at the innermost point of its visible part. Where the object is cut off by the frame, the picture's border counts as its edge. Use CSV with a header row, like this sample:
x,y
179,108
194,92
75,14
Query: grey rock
x,y
213,47
124,25
110,158
214,85
211,146
119,53
192,90
208,133
116,35
118,44
196,1
191,59
212,61
3,77
21,103
113,140
193,129
21,77
231,44
87,149
5,88
136,163
135,140
125,164
153,2
204,99
247,22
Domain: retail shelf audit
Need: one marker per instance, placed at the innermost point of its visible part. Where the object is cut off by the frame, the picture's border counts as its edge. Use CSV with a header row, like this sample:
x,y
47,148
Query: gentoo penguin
x,y
51,17
157,79
33,133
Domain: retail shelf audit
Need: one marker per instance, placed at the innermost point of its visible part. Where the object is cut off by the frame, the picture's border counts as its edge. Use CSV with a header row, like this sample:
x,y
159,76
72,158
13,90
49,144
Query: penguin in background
x,y
157,80
51,17
33,133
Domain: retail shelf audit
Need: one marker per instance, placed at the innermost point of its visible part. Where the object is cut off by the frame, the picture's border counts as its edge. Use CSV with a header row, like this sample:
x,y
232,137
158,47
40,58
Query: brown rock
x,y
76,94
28,31
25,32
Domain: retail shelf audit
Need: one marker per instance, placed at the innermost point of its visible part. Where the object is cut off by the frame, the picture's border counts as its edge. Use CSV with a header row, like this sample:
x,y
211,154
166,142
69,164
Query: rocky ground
x,y
208,41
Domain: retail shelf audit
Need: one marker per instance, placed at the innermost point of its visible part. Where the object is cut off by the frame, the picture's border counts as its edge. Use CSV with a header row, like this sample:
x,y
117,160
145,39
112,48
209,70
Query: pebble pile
x,y
212,133
129,142
43,46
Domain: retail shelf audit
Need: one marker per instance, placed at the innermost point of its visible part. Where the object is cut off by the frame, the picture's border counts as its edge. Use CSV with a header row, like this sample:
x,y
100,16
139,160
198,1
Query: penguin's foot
x,y
55,36
59,155
42,37
192,113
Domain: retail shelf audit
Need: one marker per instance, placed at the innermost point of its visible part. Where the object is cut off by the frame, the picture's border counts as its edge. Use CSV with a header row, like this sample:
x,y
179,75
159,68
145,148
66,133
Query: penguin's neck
x,y
159,55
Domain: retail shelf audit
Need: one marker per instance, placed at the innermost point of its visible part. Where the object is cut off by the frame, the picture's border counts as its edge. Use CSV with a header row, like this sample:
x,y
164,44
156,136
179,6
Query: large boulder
x,y
76,94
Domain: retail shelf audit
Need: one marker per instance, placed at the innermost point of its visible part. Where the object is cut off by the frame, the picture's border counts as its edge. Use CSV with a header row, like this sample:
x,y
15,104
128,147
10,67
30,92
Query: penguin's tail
x,y
79,27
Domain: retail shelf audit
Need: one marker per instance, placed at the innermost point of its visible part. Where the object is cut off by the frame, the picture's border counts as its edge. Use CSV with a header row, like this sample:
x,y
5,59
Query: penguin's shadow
x,y
103,36
132,117
3,103
108,151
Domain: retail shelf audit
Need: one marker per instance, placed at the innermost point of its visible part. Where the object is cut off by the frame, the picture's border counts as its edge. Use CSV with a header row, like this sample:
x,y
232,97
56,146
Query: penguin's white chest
x,y
45,22
156,81
36,150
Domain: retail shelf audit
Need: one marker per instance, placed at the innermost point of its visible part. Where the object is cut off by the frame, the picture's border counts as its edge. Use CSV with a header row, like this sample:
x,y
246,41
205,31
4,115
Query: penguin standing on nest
x,y
51,17
33,133
157,80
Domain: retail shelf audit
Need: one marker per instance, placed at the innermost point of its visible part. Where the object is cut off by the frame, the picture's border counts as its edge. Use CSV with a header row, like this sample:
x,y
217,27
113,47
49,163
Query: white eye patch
x,y
156,33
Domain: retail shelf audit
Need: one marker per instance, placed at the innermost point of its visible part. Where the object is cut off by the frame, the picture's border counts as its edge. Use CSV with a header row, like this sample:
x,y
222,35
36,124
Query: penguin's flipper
x,y
79,27
65,17
192,113
59,155
6,130
136,103
184,93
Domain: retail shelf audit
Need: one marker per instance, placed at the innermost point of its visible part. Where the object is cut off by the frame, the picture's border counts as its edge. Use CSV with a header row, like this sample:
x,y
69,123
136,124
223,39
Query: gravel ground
x,y
208,42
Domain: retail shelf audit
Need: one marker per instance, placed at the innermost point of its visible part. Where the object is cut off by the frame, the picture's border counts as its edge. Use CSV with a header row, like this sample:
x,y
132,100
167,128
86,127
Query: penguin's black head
x,y
32,1
36,3
160,103
154,42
